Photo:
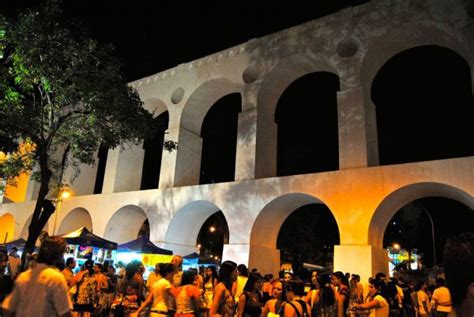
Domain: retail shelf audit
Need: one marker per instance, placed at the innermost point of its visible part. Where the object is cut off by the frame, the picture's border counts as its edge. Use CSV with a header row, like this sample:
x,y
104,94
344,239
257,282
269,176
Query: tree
x,y
63,94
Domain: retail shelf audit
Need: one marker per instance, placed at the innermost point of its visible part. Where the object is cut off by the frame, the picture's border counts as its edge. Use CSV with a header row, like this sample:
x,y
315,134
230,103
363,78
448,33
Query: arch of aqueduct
x,y
353,44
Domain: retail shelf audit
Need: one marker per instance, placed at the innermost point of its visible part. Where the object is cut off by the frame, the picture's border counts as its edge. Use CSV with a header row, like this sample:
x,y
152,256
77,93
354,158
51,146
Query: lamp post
x,y
63,193
432,235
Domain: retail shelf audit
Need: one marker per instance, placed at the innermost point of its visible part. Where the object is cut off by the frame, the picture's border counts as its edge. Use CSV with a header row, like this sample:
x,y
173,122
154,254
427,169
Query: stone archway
x,y
184,228
265,230
427,90
272,87
155,106
403,196
74,220
307,125
188,160
125,224
380,49
7,227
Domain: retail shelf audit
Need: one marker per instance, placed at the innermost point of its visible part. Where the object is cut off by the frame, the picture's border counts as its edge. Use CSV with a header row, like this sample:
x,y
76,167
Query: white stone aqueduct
x,y
353,44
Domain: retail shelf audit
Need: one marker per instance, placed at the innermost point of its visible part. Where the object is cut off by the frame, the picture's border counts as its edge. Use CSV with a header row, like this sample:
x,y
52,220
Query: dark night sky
x,y
151,36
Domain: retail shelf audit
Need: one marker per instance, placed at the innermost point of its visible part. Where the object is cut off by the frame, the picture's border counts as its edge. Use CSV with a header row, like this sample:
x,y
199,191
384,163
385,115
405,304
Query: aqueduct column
x,y
247,134
123,170
357,130
181,167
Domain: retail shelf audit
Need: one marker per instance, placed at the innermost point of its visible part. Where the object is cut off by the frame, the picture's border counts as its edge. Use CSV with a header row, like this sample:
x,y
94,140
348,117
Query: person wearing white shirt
x,y
375,301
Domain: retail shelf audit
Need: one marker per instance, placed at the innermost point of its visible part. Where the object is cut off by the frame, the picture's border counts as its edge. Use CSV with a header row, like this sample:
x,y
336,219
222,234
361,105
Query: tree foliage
x,y
64,93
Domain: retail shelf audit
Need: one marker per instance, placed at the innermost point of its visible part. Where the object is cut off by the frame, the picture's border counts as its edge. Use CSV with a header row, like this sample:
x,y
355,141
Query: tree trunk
x,y
43,210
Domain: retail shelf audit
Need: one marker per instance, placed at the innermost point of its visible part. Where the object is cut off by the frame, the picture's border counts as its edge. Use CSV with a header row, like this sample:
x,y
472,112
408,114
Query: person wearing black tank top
x,y
295,305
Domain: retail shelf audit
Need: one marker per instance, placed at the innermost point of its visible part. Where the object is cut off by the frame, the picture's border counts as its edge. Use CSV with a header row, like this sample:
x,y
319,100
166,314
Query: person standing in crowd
x,y
312,297
109,293
242,276
287,276
295,305
458,266
199,281
177,261
441,299
86,296
102,286
120,273
68,271
14,263
6,283
356,296
327,297
223,303
32,261
375,301
153,277
187,296
132,287
41,291
210,282
160,293
267,287
422,299
342,292
275,306
249,304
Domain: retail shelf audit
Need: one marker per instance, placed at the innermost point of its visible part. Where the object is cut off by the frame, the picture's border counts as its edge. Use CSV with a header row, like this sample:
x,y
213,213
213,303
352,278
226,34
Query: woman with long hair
x,y
187,296
132,287
340,282
86,296
327,297
249,304
275,305
223,301
312,297
210,282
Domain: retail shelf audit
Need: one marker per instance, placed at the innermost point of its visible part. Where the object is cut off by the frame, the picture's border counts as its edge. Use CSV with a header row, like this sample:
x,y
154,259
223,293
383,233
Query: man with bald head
x,y
177,261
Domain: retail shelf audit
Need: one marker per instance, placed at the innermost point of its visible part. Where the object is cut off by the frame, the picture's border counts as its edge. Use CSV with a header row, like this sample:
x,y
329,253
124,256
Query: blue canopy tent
x,y
84,237
142,245
191,260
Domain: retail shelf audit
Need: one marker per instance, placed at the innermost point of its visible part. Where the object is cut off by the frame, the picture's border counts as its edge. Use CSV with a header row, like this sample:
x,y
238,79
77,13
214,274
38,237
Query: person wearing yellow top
x,y
441,299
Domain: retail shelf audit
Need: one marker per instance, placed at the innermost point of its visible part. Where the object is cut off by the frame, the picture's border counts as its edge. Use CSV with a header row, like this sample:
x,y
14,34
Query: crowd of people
x,y
231,291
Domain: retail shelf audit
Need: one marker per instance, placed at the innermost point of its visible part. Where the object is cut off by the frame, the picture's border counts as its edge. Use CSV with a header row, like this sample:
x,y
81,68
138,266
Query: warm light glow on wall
x,y
7,228
17,193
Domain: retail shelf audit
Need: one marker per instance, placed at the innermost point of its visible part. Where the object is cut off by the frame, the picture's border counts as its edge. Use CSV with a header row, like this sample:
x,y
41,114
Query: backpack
x,y
303,307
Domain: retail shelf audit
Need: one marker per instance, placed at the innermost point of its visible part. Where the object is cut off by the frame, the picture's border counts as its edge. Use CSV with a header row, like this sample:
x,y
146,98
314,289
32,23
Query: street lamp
x,y
212,229
432,235
396,246
63,193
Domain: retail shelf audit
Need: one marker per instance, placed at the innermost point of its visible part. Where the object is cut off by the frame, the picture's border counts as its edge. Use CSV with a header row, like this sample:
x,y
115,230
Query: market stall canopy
x,y
82,236
142,245
18,243
191,256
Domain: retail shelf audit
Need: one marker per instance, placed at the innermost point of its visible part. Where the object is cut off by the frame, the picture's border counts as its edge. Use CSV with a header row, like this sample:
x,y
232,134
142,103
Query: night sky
x,y
152,36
